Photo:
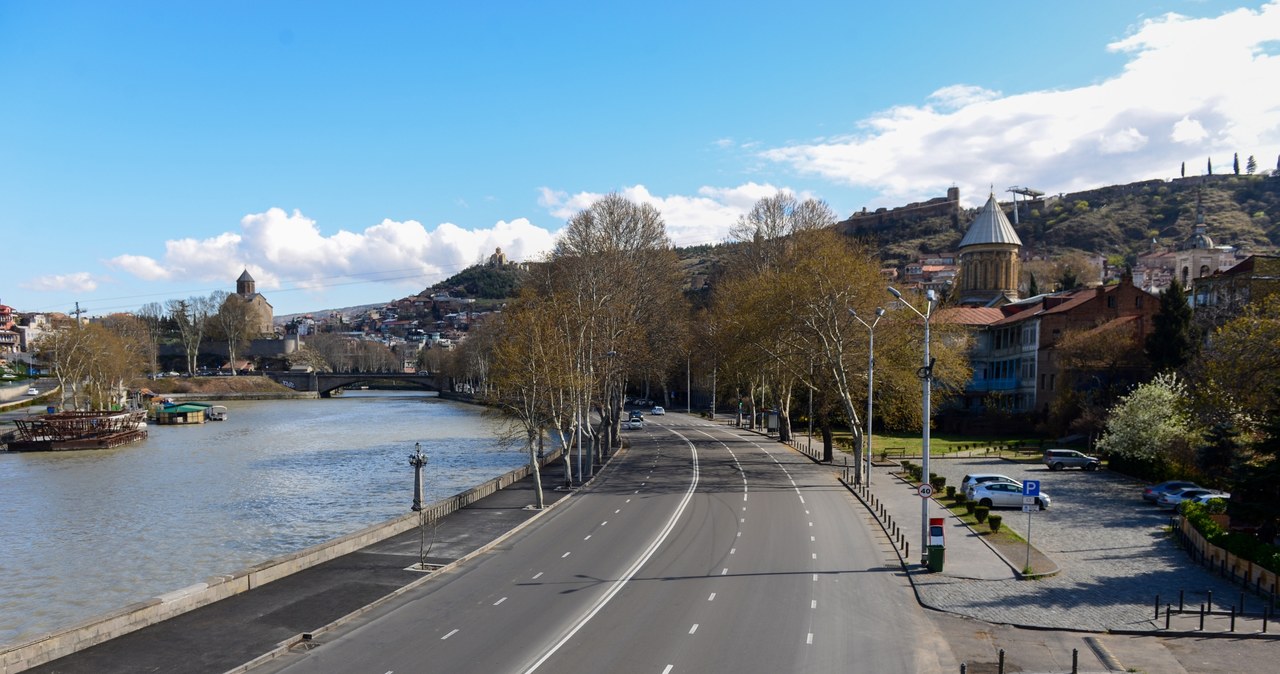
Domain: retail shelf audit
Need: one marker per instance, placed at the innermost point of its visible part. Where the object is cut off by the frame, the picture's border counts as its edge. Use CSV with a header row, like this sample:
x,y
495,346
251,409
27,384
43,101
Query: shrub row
x,y
1243,545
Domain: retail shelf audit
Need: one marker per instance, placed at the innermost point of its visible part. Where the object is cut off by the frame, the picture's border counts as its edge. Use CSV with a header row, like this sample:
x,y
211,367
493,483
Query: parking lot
x,y
1111,546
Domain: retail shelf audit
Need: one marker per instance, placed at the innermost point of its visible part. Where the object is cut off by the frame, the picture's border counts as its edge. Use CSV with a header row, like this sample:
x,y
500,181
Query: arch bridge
x,y
325,383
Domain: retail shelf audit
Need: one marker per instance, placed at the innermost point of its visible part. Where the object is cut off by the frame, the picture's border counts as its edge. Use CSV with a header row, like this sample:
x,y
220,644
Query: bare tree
x,y
192,318
233,323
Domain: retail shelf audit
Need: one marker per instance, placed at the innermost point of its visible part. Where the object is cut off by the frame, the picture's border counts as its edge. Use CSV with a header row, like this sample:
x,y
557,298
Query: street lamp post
x,y
871,375
926,378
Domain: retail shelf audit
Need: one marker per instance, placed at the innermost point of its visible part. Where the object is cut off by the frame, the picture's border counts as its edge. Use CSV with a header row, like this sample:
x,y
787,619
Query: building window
x,y
1137,301
1111,301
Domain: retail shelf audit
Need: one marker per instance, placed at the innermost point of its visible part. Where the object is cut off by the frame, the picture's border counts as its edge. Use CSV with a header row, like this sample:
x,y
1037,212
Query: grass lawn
x,y
908,445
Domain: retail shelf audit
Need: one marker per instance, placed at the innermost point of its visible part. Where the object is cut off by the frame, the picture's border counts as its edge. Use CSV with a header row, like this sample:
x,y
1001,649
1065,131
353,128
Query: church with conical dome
x,y
990,264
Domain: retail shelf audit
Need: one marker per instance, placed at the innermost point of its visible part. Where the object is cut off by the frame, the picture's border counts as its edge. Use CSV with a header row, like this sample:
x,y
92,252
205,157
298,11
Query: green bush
x,y
938,481
994,521
970,506
1237,543
951,492
980,513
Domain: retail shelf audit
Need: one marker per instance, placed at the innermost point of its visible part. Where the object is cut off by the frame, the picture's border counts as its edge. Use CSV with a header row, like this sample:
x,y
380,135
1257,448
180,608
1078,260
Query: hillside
x,y
1123,220
484,282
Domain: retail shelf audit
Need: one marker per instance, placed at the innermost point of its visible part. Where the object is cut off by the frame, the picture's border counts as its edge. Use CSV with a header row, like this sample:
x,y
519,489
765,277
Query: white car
x,y
1170,499
1005,495
633,424
657,411
33,391
971,481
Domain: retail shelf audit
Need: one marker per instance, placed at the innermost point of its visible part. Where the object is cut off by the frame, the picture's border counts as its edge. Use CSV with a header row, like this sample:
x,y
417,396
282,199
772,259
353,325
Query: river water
x,y
83,533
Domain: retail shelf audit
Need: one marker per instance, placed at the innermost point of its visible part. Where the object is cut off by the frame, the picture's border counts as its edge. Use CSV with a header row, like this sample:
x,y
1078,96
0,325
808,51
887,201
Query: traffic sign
x,y
925,490
1029,508
1031,488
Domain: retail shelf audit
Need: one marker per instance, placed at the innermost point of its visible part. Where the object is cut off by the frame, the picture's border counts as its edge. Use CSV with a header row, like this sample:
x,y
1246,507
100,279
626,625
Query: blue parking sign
x,y
1031,488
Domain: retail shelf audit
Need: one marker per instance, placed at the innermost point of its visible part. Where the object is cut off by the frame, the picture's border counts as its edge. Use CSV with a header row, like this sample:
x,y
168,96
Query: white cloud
x,y
77,282
690,220
1191,88
281,248
1189,131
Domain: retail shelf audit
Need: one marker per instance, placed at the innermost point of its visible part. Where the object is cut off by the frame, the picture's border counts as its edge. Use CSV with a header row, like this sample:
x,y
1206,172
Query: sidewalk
x,y
967,556
224,635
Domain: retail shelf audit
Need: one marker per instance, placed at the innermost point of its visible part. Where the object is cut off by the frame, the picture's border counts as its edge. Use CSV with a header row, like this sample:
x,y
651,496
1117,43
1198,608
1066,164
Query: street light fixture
x,y
871,372
926,378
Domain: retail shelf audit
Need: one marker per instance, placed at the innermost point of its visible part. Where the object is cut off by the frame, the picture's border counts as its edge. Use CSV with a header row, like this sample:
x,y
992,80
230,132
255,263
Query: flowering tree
x,y
1151,423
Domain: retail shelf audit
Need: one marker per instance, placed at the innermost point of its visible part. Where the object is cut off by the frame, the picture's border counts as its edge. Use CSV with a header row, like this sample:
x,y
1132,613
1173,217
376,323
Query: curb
x,y
284,647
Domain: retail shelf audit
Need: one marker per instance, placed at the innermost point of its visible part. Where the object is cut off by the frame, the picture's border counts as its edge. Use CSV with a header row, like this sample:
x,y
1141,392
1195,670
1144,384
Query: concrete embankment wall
x,y
42,649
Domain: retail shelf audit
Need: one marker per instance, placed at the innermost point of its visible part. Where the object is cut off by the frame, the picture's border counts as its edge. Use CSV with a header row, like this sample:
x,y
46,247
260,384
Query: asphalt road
x,y
702,549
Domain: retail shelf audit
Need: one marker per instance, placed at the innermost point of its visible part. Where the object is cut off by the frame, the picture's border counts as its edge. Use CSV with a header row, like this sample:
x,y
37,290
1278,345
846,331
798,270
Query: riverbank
x,y
228,620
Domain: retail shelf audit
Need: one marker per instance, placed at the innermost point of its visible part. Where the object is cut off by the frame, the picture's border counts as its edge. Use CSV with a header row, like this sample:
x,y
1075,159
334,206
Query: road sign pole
x,y
1027,568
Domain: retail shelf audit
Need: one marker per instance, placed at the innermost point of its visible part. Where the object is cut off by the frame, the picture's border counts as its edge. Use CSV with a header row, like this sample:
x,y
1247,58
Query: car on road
x,y
1153,492
635,416
1057,459
1170,499
657,411
33,391
633,424
969,481
1005,495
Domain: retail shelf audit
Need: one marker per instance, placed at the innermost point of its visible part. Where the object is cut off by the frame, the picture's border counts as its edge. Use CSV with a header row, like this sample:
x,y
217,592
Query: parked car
x,y
1205,498
1057,459
1005,495
657,411
1153,492
969,481
1170,499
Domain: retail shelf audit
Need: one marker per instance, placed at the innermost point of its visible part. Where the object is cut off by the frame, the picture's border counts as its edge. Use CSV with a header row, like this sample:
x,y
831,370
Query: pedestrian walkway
x,y
1110,572
967,557
224,635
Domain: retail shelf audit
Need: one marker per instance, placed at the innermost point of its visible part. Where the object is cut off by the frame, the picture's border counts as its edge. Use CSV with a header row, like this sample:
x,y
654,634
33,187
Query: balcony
x,y
984,385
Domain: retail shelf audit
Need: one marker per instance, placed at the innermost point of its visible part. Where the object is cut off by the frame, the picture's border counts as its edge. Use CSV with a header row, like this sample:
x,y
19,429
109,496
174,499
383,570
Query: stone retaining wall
x,y
45,648
1240,570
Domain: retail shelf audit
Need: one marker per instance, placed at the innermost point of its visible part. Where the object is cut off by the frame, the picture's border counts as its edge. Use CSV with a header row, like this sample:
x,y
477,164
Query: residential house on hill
x,y
1014,357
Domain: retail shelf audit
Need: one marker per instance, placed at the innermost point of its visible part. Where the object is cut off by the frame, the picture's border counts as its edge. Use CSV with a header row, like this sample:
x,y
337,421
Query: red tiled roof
x,y
970,315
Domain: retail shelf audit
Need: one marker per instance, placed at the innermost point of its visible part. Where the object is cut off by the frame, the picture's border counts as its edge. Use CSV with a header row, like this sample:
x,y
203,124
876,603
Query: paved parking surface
x,y
1111,546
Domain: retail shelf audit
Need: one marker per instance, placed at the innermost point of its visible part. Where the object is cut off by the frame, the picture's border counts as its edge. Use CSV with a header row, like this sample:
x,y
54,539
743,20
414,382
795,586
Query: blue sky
x,y
354,153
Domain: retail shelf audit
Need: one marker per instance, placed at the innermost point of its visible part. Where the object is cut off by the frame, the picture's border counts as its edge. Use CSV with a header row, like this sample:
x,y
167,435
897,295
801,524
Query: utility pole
x,y
77,313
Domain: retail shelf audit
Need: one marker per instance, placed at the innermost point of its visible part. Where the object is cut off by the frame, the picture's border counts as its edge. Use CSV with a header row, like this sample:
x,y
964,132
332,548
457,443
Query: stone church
x,y
261,310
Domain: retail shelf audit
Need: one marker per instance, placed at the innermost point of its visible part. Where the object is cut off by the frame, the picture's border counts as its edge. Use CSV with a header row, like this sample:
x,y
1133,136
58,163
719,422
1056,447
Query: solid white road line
x,y
449,635
635,567
537,575
499,601
694,628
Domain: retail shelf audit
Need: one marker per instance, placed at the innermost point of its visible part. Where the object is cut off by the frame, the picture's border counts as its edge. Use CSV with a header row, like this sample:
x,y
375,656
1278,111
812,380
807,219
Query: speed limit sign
x,y
925,490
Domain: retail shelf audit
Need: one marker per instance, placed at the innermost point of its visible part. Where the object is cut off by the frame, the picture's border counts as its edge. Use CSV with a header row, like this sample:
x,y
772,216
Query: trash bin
x,y
937,554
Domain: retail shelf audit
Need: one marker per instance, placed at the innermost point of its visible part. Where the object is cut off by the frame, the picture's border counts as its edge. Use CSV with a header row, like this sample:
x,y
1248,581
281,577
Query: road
x,y
700,549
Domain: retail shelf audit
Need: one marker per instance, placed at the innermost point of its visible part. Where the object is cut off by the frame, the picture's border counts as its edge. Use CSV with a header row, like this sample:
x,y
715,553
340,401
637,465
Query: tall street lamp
x,y
871,373
926,377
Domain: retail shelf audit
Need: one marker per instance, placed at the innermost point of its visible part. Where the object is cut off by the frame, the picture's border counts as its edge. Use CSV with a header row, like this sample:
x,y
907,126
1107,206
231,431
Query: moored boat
x,y
78,430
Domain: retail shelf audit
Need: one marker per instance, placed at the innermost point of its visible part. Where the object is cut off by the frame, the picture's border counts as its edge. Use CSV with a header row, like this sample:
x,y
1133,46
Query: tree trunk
x,y
827,448
535,468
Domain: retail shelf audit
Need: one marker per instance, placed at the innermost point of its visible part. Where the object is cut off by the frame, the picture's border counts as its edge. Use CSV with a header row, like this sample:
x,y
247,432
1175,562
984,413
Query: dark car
x,y
1057,459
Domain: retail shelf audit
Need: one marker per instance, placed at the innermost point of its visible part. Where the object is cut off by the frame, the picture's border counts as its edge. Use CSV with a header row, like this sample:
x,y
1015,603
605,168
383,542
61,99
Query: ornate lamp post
x,y
926,377
871,372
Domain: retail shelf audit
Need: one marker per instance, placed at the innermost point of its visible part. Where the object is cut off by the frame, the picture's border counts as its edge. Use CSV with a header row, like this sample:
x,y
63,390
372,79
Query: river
x,y
92,531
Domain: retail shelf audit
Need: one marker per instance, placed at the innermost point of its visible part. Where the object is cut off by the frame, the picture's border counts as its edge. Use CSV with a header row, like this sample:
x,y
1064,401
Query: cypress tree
x,y
1172,341
1184,169
1210,165
1235,162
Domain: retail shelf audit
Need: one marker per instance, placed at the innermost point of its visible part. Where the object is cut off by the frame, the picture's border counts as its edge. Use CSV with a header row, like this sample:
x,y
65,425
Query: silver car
x,y
1005,495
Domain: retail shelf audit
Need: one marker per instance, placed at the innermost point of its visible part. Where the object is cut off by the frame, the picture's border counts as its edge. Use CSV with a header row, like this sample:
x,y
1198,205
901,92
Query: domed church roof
x,y
991,226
